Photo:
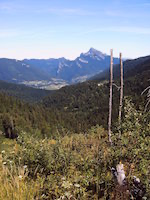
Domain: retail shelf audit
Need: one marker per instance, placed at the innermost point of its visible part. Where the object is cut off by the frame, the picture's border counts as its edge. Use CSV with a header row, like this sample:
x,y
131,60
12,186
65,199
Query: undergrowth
x,y
77,166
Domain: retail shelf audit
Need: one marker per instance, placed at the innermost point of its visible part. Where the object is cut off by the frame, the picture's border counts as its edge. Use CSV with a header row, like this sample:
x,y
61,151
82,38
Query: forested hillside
x,y
23,92
88,101
131,68
32,118
78,166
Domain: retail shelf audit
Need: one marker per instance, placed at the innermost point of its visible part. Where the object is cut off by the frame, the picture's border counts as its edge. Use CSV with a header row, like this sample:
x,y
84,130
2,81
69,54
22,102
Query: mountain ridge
x,y
64,71
130,66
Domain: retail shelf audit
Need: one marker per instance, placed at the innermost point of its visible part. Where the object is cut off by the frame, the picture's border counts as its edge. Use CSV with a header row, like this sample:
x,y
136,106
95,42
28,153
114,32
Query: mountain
x,y
17,71
86,104
131,68
84,66
54,73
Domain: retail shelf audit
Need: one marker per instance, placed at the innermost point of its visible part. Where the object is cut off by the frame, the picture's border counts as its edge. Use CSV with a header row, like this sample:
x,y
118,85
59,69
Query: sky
x,y
65,28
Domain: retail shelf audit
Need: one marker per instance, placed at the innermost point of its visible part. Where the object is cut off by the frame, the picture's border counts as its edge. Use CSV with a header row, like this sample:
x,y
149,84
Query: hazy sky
x,y
65,28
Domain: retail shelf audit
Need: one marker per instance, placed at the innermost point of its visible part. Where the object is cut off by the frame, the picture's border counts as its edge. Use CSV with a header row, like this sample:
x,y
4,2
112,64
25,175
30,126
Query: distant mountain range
x,y
54,73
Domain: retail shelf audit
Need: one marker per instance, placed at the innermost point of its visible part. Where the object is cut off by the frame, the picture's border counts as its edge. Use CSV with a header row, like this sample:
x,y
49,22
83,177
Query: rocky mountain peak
x,y
94,53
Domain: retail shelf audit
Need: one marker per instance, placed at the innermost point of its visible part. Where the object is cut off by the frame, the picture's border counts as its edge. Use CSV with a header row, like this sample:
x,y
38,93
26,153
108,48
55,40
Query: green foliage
x,y
133,146
23,92
66,165
79,165
32,118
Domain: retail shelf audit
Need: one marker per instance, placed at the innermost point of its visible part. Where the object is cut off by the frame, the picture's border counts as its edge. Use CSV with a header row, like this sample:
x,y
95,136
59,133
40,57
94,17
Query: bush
x,y
78,166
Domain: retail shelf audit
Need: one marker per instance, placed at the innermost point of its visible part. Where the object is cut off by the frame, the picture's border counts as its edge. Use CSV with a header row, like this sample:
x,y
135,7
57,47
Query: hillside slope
x,y
23,92
17,71
87,102
131,68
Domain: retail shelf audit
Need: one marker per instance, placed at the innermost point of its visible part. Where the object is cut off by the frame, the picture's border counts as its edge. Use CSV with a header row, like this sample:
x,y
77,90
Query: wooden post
x,y
121,90
110,97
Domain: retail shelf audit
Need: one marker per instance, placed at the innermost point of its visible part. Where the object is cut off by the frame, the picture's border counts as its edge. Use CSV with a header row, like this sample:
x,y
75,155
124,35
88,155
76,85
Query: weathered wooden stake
x,y
110,97
121,90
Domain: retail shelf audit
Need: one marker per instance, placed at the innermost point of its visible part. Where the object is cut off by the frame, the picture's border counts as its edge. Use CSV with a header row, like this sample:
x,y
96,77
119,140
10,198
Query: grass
x,y
14,186
14,181
67,176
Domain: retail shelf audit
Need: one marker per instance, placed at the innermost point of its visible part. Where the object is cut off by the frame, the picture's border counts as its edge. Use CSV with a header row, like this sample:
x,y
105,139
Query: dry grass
x,y
14,184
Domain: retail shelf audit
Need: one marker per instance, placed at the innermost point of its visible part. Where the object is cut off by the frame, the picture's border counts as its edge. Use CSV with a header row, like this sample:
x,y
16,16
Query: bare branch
x,y
145,90
147,105
118,88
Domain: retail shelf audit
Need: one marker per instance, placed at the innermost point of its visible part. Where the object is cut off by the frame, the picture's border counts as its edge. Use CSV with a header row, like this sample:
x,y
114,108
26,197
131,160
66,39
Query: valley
x,y
53,84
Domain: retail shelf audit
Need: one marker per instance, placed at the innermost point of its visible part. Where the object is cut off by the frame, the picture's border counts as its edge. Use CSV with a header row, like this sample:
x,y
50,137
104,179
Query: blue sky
x,y
65,28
